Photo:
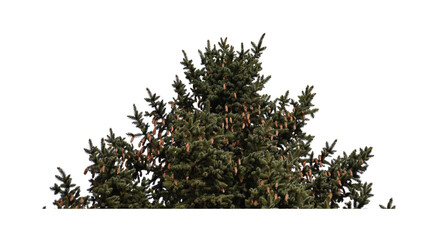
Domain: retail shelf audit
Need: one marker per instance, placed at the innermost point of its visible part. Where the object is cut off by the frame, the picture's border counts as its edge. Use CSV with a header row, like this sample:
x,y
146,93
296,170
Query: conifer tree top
x,y
222,145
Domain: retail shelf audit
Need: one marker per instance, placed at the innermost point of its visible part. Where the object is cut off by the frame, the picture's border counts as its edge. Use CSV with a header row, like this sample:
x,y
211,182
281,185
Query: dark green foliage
x,y
389,206
69,194
116,175
223,145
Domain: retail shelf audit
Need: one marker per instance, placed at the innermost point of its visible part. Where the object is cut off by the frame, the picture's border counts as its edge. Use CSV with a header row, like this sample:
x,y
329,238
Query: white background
x,y
70,70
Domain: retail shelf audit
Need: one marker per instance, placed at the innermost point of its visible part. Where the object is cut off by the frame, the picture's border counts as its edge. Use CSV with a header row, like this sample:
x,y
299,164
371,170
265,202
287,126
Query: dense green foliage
x,y
221,145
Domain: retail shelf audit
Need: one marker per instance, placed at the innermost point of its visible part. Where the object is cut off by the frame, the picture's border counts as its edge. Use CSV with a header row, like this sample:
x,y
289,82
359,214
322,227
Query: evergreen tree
x,y
223,145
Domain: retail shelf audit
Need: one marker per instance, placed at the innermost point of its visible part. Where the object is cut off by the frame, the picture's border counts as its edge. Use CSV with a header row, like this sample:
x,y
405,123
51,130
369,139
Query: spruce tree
x,y
222,145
